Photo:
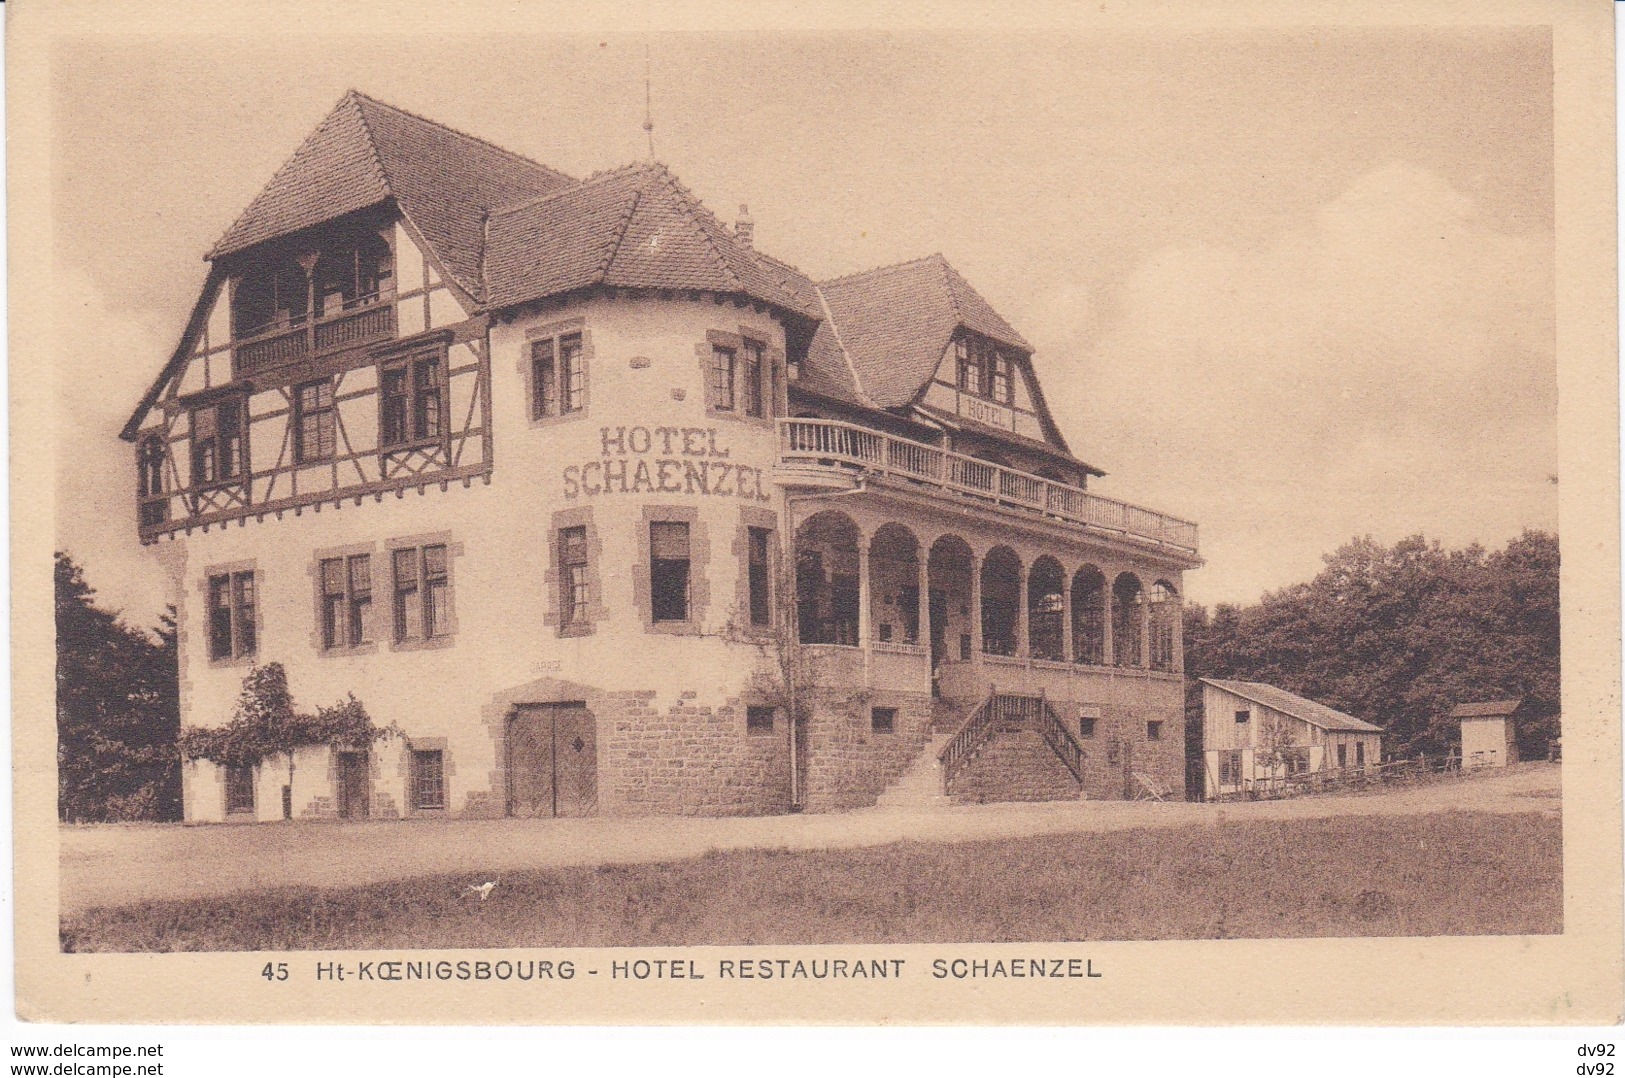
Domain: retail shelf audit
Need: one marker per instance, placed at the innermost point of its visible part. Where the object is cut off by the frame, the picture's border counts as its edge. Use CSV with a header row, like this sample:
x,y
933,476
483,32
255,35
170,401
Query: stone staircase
x,y
919,788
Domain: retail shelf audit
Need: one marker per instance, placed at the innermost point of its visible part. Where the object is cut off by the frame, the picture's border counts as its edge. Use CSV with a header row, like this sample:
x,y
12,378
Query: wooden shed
x,y
1256,736
1489,732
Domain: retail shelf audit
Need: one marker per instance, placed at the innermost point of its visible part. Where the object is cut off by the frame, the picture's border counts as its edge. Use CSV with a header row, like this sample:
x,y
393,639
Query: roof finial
x,y
648,112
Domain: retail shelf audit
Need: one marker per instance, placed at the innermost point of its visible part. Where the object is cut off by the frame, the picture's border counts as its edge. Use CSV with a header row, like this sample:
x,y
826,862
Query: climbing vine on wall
x,y
265,723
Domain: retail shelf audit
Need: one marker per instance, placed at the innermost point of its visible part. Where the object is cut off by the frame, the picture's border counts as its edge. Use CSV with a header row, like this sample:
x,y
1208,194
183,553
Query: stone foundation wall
x,y
846,764
1014,766
1120,746
687,759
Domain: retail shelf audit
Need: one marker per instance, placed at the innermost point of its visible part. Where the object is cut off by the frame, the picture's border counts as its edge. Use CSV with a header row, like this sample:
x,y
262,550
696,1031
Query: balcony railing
x,y
283,345
828,444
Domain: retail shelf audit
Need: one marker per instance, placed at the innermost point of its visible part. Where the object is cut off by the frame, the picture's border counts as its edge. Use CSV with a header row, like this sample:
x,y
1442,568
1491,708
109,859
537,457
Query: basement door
x,y
552,761
353,784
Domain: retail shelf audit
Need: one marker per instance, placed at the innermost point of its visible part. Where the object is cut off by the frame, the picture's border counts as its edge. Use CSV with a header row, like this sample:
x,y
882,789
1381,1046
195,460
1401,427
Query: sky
x,y
1296,285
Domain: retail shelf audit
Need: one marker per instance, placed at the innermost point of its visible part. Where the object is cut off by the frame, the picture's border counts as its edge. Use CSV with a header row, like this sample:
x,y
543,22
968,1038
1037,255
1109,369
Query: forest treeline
x,y
1398,636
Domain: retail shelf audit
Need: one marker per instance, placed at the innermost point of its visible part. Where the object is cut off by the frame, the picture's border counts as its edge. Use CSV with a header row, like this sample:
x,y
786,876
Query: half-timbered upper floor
x,y
341,346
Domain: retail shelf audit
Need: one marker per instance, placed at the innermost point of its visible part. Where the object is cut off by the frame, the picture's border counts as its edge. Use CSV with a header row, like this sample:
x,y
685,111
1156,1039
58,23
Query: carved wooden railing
x,y
826,443
276,348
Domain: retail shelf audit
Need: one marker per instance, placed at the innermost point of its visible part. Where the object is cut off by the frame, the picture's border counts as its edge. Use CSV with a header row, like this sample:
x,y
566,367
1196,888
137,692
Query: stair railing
x,y
1059,738
972,734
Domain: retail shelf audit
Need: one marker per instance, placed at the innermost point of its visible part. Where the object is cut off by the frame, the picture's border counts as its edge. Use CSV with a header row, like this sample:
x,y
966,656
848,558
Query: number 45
x,y
275,971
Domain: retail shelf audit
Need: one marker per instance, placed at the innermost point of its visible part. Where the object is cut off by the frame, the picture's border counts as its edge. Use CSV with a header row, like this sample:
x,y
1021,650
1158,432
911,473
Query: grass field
x,y
1454,873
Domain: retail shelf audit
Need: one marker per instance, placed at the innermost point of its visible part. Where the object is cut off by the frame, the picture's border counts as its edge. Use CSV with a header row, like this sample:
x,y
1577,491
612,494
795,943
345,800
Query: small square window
x,y
1086,726
1153,731
883,720
1243,716
759,720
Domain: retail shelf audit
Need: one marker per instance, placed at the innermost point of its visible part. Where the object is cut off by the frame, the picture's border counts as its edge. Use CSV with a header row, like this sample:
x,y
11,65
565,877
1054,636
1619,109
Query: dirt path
x,y
114,865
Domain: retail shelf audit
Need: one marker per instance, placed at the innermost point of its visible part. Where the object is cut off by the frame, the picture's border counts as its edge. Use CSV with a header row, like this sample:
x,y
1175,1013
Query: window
x,y
1086,726
883,720
758,381
422,593
346,601
760,575
217,442
313,421
411,396
759,721
150,480
1000,388
573,586
428,779
721,389
984,370
1359,754
239,788
668,570
970,367
557,376
1153,730
1243,716
1342,756
233,632
1230,768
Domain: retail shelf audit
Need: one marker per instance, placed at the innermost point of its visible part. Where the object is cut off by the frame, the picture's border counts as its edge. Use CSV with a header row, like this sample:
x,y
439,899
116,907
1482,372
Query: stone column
x,y
975,607
1179,635
1108,604
1024,579
1066,618
924,573
1145,628
865,618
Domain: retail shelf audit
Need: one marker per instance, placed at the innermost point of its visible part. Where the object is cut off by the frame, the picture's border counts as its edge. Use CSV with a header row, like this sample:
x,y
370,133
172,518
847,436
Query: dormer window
x,y
984,370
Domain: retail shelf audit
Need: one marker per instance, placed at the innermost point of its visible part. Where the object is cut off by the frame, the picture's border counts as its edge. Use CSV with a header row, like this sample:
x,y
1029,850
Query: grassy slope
x,y
1455,873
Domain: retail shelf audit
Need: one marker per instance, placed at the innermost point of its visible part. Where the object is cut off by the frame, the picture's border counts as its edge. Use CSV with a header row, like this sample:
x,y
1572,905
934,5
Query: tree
x,y
1399,635
117,710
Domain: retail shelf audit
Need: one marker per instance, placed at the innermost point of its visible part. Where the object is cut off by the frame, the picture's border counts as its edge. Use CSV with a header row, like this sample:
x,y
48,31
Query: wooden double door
x,y
552,761
354,785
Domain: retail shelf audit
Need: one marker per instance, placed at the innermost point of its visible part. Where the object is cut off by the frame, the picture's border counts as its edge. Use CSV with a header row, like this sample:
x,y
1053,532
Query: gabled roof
x,y
896,321
1292,704
366,152
634,227
1488,709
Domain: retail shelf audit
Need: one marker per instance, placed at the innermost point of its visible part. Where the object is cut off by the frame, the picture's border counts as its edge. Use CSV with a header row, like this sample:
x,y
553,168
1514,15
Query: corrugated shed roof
x,y
1292,704
896,322
365,152
634,227
1488,709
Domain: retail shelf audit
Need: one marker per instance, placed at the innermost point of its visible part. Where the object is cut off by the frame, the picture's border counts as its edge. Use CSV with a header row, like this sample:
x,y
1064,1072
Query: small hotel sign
x,y
985,411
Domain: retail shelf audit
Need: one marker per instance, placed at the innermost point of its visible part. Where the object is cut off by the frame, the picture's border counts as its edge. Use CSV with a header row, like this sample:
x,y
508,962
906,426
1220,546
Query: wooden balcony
x,y
820,446
284,345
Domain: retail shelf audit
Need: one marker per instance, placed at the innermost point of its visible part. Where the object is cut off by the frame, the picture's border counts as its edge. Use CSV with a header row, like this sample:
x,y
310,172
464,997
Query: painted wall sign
x,y
664,460
985,411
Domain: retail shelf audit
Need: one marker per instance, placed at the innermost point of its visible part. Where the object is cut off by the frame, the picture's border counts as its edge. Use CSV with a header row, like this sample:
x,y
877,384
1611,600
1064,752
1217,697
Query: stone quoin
x,y
609,512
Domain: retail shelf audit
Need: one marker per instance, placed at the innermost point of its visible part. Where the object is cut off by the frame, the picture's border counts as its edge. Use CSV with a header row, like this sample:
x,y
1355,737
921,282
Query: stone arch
x,y
894,585
1001,602
1089,616
950,568
1164,615
827,579
1128,636
1046,610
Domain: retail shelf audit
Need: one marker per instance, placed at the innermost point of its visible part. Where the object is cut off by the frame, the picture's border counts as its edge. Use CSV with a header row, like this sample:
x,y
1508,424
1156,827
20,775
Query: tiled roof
x,y
365,152
1292,704
1489,709
634,227
896,321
